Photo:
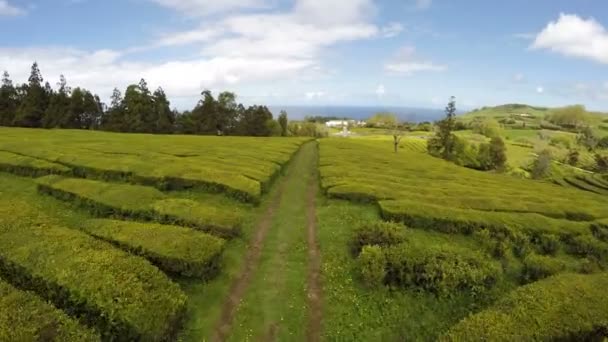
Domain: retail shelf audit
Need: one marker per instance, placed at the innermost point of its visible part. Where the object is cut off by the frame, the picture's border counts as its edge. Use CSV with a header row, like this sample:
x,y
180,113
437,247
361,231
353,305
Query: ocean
x,y
359,113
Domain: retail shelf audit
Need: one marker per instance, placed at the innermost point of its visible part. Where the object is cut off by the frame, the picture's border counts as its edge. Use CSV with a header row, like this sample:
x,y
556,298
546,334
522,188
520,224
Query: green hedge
x,y
25,317
173,249
539,267
122,296
442,268
143,203
589,246
377,233
566,307
451,220
30,167
600,230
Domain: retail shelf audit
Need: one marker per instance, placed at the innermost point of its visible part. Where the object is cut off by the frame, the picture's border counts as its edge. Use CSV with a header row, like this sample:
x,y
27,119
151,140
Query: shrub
x,y
589,246
378,233
548,244
566,307
372,265
118,294
539,267
28,166
173,249
440,268
600,230
542,165
143,203
25,317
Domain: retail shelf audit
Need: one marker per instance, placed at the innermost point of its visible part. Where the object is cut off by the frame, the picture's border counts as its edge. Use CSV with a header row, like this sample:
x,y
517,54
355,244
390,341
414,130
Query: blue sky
x,y
413,53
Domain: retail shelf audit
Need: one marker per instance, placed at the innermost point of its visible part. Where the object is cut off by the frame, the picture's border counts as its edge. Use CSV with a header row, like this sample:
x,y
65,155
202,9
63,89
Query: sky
x,y
414,53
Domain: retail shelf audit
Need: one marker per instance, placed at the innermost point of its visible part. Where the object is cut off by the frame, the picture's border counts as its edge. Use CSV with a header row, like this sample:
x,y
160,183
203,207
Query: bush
x,y
378,233
589,246
567,307
372,265
548,244
538,267
30,167
440,268
143,203
118,294
173,249
25,317
600,230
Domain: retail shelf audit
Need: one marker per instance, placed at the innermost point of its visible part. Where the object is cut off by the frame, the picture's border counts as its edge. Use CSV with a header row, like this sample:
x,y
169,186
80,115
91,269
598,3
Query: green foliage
x,y
283,122
8,101
440,268
573,157
378,233
564,307
443,143
28,166
588,139
601,162
274,128
173,249
118,294
372,265
142,203
542,164
493,156
569,117
25,317
538,267
382,120
32,107
487,127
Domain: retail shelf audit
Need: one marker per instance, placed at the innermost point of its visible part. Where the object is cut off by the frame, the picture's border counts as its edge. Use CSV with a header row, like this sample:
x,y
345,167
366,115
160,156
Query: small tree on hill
x,y
442,144
283,121
573,157
542,165
588,139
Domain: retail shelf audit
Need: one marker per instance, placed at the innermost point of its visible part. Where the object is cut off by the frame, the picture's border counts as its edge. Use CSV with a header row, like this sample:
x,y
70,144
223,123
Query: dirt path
x,y
252,260
315,313
277,294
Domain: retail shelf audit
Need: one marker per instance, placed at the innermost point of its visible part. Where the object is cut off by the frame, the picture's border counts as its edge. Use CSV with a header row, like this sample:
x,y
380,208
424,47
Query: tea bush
x,y
378,233
539,267
566,307
25,317
143,203
173,249
372,265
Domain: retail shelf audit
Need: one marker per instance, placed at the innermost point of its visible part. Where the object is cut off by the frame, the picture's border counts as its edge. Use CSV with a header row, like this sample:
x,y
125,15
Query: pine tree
x,y
31,110
443,143
114,118
58,108
8,101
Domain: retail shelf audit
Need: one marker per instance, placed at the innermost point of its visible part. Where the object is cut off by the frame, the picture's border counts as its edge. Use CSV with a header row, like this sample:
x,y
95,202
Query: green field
x,y
109,236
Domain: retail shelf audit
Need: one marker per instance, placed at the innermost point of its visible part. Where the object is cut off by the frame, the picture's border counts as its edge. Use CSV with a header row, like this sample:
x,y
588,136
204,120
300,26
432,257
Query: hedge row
x,y
378,233
124,297
142,203
584,185
451,220
565,307
25,317
440,268
594,181
28,166
172,249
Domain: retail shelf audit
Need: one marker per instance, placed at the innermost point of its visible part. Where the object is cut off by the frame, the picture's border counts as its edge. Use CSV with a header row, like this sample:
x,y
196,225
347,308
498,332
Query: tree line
x,y
36,104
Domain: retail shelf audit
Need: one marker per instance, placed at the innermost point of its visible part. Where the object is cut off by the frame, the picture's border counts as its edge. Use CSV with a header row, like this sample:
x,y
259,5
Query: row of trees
x,y
36,104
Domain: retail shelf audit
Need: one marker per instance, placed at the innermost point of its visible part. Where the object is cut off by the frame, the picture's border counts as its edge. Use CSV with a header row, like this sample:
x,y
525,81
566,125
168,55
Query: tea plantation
x,y
134,237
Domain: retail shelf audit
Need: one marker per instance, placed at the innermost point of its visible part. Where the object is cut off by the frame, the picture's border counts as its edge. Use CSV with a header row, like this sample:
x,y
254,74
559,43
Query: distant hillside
x,y
513,111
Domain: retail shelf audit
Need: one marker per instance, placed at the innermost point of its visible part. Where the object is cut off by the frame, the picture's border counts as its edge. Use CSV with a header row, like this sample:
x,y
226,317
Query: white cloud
x,y
206,7
574,36
540,90
407,63
380,90
103,70
392,30
6,9
200,35
314,95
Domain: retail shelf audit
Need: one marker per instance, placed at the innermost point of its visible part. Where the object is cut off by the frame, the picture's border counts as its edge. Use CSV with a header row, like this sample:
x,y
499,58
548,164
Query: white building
x,y
344,123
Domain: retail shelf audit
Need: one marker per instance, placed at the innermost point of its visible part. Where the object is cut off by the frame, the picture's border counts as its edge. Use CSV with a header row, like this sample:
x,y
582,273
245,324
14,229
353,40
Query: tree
x,y
283,121
206,116
138,108
58,108
498,153
572,117
8,101
486,126
601,162
573,157
397,131
32,109
542,165
253,121
588,139
383,120
442,144
163,114
114,118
